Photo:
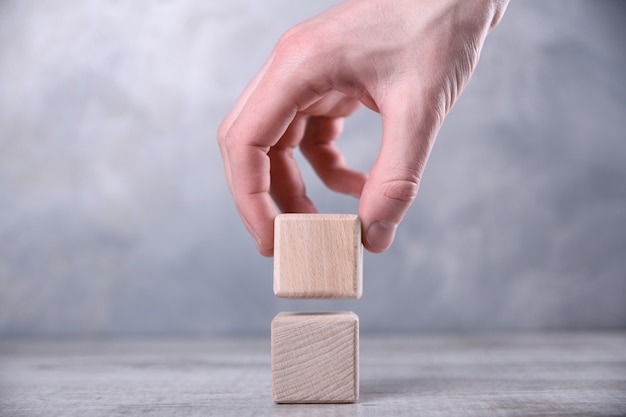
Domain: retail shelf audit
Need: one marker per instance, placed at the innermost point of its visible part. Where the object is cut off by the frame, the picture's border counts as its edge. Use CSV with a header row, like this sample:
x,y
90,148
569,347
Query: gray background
x,y
115,219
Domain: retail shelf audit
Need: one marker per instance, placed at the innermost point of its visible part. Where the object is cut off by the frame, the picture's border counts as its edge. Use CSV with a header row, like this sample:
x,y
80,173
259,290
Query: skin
x,y
408,60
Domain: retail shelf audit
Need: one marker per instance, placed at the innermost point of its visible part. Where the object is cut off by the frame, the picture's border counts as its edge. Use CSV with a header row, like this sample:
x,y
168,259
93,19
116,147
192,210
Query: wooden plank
x,y
318,256
315,358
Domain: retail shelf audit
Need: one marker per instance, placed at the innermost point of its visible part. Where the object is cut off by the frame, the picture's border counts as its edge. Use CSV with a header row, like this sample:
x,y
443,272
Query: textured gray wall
x,y
115,218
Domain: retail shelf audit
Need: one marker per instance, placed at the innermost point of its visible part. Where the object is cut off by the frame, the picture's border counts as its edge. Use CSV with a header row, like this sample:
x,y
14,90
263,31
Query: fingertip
x,y
347,181
265,244
379,236
267,252
258,216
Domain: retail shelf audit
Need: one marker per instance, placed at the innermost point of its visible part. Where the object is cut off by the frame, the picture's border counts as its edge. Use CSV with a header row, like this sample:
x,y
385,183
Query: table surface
x,y
556,374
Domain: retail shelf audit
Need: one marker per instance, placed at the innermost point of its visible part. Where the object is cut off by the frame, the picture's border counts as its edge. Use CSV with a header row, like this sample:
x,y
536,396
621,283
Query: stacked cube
x,y
315,356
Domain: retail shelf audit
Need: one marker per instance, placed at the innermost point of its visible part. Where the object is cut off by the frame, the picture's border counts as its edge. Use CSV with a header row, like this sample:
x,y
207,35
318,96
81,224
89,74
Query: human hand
x,y
408,60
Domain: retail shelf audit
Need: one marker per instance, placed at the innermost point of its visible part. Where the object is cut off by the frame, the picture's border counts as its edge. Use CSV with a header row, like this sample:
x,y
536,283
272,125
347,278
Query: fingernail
x,y
380,235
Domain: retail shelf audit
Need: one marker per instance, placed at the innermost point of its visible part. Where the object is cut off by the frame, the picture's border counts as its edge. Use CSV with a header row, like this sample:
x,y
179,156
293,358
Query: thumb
x,y
409,131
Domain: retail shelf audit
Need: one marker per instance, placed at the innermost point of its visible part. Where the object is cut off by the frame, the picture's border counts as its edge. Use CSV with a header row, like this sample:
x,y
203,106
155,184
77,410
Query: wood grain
x,y
315,358
318,256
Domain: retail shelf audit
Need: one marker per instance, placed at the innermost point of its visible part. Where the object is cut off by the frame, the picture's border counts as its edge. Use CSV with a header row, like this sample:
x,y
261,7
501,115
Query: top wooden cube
x,y
318,256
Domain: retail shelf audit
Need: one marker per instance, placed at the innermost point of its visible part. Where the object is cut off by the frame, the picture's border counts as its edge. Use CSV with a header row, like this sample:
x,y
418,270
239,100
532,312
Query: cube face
x,y
318,256
315,358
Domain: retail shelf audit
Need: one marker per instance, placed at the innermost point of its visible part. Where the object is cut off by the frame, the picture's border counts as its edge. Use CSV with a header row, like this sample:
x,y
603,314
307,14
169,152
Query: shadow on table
x,y
378,390
372,394
314,410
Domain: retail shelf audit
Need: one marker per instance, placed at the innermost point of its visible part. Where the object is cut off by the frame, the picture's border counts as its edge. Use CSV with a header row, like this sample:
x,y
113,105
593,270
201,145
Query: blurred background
x,y
116,221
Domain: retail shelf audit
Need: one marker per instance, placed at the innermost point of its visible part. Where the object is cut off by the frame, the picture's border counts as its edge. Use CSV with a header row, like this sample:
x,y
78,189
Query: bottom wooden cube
x,y
315,358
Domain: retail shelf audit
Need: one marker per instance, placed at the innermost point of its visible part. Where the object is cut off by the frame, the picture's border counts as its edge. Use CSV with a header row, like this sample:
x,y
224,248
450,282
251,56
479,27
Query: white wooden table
x,y
562,374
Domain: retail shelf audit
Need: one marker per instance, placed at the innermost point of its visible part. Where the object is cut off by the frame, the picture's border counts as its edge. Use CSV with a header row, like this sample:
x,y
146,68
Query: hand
x,y
409,60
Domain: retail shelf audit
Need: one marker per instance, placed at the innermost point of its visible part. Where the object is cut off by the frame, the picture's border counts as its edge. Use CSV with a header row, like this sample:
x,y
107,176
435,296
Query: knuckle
x,y
400,190
291,44
300,45
226,138
222,134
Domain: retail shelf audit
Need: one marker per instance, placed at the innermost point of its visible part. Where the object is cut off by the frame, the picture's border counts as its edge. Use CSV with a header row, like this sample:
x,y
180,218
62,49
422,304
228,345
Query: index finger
x,y
272,103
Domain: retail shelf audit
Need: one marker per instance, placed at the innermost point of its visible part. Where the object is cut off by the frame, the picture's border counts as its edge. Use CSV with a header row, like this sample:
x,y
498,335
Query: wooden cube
x,y
315,358
318,256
